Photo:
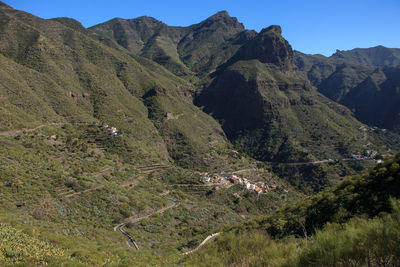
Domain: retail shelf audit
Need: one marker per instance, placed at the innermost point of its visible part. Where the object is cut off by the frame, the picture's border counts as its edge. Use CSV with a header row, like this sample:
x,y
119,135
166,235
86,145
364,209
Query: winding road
x,y
205,241
130,241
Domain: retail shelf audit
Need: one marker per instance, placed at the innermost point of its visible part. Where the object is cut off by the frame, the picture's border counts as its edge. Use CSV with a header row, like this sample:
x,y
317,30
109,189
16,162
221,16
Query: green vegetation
x,y
360,242
366,194
185,51
354,223
67,184
99,128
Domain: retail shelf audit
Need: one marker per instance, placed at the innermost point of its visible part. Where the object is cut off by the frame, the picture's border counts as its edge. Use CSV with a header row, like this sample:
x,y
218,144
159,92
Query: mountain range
x,y
247,81
103,127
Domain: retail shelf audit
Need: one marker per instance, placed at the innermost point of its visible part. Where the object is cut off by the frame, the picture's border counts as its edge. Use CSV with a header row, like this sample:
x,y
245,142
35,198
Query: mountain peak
x,y
221,14
71,23
273,28
268,47
224,18
148,19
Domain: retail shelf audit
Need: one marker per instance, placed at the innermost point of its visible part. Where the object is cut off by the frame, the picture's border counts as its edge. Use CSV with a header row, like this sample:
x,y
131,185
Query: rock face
x,y
268,47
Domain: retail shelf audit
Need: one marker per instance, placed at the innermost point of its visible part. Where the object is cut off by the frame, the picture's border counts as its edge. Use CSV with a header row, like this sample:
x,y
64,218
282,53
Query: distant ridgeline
x,y
367,81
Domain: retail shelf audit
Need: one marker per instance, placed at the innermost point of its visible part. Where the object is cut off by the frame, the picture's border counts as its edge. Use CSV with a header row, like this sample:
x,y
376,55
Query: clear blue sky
x,y
310,26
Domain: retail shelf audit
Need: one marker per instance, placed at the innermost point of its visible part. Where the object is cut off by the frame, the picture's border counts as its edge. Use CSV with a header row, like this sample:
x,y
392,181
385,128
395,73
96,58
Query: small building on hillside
x,y
111,130
206,179
236,180
247,185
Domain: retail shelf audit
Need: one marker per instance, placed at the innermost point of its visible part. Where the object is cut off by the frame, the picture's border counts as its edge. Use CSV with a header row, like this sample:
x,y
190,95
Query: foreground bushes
x,y
360,242
374,242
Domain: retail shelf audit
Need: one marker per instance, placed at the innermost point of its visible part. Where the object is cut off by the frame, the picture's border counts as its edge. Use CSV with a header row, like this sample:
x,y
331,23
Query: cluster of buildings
x,y
368,154
259,187
111,130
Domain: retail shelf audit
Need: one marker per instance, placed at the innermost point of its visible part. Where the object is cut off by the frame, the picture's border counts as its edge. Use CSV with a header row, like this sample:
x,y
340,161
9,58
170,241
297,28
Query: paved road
x,y
130,241
202,244
319,161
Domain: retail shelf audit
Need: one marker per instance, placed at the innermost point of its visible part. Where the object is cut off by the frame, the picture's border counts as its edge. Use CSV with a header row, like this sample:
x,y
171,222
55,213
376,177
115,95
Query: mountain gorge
x,y
108,135
364,80
264,104
241,64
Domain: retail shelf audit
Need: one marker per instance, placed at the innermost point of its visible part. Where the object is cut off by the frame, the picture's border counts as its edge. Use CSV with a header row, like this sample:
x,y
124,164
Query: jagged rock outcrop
x,y
268,47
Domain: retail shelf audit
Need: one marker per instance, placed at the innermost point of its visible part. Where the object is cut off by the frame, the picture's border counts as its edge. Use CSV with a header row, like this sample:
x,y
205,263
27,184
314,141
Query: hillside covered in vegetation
x,y
354,223
135,143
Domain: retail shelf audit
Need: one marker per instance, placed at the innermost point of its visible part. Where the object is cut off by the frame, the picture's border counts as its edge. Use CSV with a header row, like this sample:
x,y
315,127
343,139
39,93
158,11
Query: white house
x,y
247,185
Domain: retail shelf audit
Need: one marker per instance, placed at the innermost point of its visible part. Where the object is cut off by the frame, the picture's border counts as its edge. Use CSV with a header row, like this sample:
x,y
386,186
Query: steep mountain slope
x,y
348,77
146,36
340,82
375,100
57,73
318,69
270,111
213,41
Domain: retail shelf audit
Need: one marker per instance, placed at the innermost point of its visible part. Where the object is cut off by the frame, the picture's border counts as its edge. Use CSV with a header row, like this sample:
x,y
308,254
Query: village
x,y
369,154
230,180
